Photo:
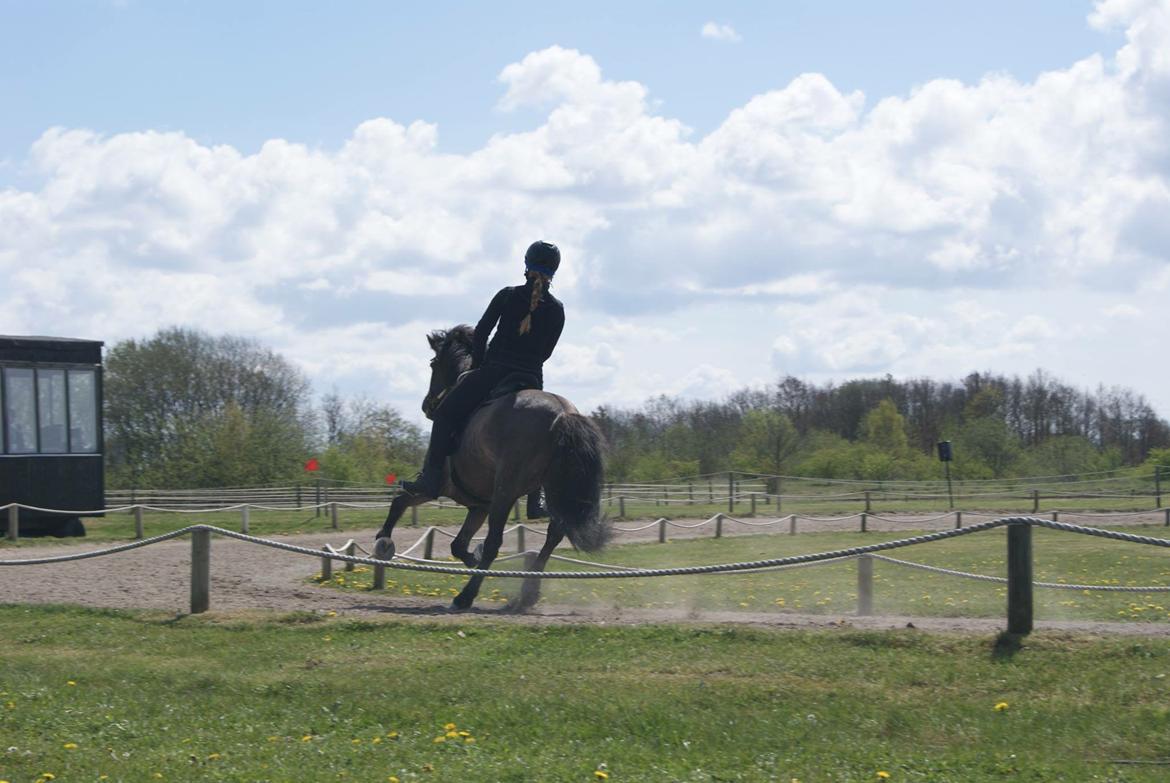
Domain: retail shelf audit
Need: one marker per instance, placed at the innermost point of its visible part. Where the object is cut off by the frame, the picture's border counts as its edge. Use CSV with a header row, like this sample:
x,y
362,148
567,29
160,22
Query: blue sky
x,y
823,189
241,73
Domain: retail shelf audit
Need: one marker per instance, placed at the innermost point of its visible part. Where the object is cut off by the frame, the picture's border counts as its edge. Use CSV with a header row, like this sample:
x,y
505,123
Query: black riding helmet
x,y
543,257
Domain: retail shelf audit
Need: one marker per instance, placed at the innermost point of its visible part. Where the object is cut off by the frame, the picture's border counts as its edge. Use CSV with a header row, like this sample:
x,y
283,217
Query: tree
x,y
185,409
767,442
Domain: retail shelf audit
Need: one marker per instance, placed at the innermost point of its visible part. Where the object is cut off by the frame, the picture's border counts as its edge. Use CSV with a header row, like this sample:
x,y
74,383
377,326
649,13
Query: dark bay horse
x,y
510,447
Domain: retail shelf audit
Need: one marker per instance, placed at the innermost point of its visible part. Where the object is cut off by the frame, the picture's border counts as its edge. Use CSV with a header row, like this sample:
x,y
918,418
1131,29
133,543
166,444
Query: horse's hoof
x,y
383,549
457,607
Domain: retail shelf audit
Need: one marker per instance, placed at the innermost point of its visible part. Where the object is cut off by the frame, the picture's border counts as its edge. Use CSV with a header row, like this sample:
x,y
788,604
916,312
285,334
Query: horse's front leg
x,y
383,544
471,525
497,518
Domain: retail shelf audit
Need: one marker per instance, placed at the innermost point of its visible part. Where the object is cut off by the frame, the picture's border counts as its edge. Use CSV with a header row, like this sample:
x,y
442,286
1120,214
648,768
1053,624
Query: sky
x,y
740,191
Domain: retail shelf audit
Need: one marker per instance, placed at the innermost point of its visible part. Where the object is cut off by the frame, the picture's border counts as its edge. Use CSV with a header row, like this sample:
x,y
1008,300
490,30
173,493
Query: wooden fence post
x,y
1167,522
958,519
516,511
244,521
792,524
429,544
867,503
333,514
520,538
753,504
414,516
864,586
138,528
621,507
351,550
730,492
1019,565
1035,500
379,577
14,522
200,571
326,565
863,520
710,491
690,493
661,530
1055,516
719,526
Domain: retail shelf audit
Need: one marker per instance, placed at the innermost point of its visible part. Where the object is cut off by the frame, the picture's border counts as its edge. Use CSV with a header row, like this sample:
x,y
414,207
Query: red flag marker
x,y
312,465
391,478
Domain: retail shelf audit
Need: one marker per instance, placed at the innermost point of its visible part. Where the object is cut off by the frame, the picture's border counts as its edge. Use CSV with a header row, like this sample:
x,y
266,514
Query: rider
x,y
528,321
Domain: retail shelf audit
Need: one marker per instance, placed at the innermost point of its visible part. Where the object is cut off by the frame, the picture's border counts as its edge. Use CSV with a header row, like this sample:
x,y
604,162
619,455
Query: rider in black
x,y
528,321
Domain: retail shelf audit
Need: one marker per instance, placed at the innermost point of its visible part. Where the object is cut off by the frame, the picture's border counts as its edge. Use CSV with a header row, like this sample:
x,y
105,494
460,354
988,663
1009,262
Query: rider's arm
x,y
555,326
484,328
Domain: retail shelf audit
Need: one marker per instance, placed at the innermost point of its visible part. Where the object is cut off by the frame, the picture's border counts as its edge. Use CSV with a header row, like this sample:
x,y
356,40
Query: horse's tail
x,y
573,484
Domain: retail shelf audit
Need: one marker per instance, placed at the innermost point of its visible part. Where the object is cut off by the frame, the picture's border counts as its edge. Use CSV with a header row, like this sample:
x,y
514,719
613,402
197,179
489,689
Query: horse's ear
x,y
436,340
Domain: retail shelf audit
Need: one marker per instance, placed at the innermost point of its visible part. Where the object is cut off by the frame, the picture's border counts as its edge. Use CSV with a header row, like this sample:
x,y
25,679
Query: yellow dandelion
x,y
376,740
452,734
1001,706
465,734
70,746
48,776
437,740
157,776
469,740
355,742
307,738
449,726
882,774
273,739
214,757
392,779
327,638
70,683
392,734
601,774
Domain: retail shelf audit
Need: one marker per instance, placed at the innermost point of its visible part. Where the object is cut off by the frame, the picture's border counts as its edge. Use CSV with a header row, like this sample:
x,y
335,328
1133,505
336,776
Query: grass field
x,y
120,696
832,588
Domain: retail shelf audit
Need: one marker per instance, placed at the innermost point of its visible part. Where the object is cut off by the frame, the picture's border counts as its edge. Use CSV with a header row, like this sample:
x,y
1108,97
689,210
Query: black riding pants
x,y
453,411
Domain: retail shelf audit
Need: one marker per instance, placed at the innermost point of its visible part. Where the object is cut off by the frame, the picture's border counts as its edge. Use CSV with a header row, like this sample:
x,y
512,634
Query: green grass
x,y
832,588
140,697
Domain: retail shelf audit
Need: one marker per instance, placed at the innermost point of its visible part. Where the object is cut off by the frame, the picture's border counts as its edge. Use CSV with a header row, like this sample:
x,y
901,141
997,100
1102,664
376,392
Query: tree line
x,y
188,409
884,428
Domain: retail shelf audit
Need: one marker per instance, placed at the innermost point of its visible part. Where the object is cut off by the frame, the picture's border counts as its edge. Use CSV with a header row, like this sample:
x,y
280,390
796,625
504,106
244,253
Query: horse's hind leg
x,y
497,518
383,545
471,525
530,589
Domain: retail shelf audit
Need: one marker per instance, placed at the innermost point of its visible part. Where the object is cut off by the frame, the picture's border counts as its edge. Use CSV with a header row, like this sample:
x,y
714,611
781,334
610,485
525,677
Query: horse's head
x,y
452,349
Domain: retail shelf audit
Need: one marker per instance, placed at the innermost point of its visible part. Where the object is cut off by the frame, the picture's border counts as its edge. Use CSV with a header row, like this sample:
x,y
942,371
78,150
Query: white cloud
x,y
852,218
720,32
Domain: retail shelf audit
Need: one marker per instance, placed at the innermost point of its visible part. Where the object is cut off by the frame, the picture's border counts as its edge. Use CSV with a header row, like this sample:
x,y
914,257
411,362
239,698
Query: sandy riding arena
x,y
246,577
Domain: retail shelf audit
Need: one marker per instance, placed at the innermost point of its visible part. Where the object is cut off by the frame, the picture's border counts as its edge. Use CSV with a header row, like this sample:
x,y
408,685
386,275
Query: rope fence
x,y
1019,580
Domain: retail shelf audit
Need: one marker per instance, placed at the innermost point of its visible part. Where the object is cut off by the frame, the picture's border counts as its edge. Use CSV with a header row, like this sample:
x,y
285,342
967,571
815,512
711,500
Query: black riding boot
x,y
536,509
428,483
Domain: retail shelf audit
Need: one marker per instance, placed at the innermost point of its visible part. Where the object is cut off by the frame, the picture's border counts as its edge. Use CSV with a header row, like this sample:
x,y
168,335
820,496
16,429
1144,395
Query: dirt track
x,y
245,577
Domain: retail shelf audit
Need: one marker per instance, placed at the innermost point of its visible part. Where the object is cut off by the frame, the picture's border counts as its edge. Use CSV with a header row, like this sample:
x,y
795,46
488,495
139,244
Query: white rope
x,y
1003,580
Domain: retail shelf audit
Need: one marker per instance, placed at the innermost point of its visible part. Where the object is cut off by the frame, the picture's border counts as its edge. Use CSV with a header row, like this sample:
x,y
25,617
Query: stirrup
x,y
536,508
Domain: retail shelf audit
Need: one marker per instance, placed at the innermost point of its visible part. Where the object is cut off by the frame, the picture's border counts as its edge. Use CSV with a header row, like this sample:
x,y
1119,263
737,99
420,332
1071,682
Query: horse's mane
x,y
455,343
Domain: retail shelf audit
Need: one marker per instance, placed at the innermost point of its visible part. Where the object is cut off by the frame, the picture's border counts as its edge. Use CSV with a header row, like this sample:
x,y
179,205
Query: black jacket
x,y
510,348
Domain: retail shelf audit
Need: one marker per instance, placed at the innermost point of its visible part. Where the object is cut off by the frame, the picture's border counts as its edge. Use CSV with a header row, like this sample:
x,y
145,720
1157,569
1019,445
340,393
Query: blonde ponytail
x,y
539,281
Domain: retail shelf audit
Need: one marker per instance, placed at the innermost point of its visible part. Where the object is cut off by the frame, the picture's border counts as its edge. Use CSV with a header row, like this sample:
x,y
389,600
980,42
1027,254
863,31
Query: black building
x,y
51,448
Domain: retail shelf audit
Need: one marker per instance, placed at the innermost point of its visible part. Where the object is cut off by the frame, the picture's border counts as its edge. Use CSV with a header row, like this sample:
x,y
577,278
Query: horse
x,y
509,447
